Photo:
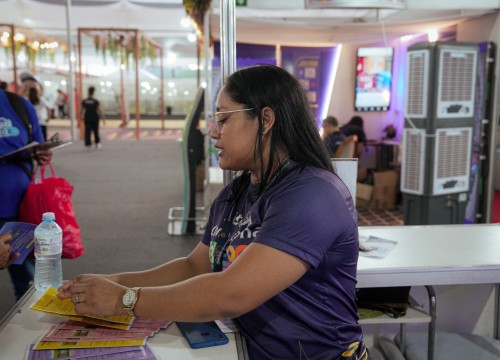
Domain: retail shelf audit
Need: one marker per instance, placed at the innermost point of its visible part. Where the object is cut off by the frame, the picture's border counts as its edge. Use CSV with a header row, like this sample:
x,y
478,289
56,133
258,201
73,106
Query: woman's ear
x,y
267,119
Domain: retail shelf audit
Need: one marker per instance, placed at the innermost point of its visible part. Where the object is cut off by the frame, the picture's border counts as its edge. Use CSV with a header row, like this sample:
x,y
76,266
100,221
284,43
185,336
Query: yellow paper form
x,y
49,303
54,345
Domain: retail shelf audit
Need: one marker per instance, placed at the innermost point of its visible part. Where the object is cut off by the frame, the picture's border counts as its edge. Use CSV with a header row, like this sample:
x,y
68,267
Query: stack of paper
x,y
49,303
85,337
118,353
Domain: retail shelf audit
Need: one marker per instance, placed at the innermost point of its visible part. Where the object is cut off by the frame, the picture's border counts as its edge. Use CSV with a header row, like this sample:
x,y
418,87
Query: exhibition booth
x,y
439,166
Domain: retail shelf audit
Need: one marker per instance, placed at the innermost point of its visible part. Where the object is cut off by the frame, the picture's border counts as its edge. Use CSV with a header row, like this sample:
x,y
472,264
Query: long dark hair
x,y
356,121
294,131
33,96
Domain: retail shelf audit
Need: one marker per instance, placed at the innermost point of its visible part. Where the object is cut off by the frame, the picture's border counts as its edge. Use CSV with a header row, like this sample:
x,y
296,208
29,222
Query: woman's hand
x,y
6,258
94,294
42,155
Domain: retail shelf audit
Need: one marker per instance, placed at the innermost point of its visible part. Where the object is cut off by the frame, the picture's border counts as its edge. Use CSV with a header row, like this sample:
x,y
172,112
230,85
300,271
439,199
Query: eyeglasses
x,y
219,123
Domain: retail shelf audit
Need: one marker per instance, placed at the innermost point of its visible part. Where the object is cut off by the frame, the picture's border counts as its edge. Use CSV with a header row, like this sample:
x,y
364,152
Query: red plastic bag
x,y
53,195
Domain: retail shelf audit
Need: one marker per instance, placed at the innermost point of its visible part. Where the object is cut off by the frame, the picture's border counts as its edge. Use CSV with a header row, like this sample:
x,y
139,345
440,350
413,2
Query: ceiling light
x,y
432,35
356,4
186,22
171,58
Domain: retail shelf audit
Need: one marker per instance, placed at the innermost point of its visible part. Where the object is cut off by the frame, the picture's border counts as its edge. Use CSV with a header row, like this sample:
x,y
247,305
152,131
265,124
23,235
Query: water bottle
x,y
48,251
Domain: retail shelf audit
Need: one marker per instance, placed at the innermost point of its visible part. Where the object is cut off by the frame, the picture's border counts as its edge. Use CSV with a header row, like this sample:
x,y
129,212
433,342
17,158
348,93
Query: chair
x,y
347,148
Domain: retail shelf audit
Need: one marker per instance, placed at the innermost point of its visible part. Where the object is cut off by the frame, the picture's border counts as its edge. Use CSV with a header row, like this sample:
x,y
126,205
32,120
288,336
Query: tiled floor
x,y
375,217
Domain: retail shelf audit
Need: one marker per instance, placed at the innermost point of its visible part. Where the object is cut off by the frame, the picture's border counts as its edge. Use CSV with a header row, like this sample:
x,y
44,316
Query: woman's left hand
x,y
42,156
95,295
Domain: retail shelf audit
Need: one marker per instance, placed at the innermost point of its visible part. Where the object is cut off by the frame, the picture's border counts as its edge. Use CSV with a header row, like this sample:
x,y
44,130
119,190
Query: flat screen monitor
x,y
373,79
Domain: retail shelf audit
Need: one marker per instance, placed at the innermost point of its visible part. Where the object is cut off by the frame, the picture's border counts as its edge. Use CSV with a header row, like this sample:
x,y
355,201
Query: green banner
x,y
241,3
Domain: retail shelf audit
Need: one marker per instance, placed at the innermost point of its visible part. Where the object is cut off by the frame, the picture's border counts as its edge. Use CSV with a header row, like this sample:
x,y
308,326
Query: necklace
x,y
285,165
223,239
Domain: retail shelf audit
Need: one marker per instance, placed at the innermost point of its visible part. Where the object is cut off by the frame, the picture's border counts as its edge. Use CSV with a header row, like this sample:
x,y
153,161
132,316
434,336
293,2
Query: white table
x,y
424,255
23,326
431,255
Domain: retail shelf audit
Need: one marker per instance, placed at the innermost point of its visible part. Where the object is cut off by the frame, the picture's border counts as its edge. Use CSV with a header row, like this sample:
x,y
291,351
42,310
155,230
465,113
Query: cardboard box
x,y
364,195
384,197
386,178
385,188
362,174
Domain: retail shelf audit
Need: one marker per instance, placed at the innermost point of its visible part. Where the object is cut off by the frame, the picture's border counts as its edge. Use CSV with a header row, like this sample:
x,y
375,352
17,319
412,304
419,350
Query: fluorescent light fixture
x,y
331,77
356,4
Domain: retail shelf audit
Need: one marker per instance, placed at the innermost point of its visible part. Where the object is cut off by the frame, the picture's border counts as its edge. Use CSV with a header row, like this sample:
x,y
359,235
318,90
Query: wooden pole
x,y
198,55
71,74
80,85
122,90
14,62
162,91
137,110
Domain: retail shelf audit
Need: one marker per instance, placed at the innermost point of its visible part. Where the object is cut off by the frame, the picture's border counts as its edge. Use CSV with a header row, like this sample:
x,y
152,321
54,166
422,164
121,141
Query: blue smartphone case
x,y
201,335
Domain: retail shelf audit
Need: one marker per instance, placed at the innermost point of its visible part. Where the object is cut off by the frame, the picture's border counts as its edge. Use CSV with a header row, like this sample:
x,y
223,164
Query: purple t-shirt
x,y
309,213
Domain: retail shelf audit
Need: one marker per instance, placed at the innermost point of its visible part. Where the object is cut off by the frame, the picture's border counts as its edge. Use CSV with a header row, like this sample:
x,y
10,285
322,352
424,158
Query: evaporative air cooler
x,y
437,139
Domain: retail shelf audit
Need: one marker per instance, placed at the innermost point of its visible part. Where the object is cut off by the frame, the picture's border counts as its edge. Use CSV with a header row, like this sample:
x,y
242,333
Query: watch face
x,y
128,298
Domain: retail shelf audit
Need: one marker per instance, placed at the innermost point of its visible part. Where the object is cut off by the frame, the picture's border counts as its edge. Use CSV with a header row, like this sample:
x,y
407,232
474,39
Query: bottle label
x,y
48,245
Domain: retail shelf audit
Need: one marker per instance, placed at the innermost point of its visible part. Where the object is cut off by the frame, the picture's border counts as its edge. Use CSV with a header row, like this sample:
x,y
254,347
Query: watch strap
x,y
130,309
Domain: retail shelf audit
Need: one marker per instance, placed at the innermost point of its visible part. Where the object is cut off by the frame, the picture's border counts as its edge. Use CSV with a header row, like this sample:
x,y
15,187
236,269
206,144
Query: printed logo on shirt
x,y
7,129
242,234
233,253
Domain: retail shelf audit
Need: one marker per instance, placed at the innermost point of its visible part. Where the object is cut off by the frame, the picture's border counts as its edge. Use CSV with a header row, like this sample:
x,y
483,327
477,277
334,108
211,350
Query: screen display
x,y
373,79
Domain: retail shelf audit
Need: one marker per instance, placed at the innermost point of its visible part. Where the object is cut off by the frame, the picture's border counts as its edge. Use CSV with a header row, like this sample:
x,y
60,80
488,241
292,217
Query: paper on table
x,y
118,353
53,345
227,326
376,247
98,334
23,238
49,303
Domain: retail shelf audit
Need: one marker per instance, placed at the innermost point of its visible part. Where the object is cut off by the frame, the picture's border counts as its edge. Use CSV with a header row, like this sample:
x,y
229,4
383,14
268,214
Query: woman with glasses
x,y
280,248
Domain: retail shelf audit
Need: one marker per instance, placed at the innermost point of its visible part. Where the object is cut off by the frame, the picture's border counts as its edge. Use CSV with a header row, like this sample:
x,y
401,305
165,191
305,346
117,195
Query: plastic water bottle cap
x,y
48,216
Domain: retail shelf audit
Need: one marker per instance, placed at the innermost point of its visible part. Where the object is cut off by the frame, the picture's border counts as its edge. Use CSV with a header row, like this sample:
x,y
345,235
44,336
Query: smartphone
x,y
201,335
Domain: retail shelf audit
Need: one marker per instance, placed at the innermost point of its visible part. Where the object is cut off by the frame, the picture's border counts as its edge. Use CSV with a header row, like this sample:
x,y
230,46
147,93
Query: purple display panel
x,y
312,67
248,55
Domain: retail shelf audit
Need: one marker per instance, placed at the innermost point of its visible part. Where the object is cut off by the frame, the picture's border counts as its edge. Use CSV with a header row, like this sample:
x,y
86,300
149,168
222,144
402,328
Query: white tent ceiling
x,y
262,21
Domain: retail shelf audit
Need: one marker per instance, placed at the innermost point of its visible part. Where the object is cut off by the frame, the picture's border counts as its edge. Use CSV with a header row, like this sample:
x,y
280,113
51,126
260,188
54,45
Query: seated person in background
x,y
331,134
355,127
288,277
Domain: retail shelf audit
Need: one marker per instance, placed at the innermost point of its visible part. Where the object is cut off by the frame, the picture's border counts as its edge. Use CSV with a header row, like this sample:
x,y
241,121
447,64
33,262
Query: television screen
x,y
373,79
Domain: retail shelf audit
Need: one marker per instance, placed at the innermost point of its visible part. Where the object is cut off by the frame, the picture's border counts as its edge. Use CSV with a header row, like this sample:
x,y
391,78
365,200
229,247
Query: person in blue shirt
x,y
331,134
280,248
15,177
